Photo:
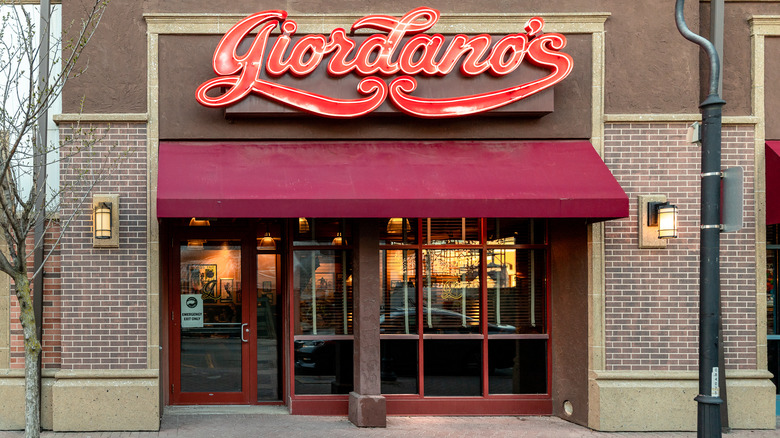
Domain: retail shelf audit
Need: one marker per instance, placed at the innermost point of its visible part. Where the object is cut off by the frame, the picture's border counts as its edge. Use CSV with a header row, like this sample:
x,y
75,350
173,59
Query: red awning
x,y
772,182
387,179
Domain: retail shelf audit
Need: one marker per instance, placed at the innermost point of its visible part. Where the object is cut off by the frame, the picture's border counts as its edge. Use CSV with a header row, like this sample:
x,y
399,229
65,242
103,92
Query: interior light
x,y
194,222
303,225
267,241
398,225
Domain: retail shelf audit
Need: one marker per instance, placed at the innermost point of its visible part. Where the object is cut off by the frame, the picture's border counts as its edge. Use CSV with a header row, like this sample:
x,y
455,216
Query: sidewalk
x,y
199,424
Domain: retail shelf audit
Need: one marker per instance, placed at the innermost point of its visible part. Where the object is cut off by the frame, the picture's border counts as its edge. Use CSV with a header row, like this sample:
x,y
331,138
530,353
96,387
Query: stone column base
x,y
367,410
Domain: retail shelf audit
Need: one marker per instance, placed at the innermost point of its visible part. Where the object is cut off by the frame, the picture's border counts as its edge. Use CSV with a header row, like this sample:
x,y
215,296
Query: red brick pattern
x,y
104,290
51,305
652,303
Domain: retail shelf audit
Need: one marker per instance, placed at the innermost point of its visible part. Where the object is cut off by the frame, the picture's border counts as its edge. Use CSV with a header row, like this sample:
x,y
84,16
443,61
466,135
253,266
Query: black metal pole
x,y
708,420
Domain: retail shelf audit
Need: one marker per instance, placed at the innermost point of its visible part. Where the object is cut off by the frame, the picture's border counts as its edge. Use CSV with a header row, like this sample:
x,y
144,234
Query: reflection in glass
x,y
398,231
322,292
399,366
517,366
268,304
453,367
323,366
320,231
451,290
516,290
398,271
511,231
211,354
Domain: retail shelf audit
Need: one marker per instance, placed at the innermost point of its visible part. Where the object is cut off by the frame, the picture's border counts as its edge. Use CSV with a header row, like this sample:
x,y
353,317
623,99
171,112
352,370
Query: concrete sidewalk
x,y
274,422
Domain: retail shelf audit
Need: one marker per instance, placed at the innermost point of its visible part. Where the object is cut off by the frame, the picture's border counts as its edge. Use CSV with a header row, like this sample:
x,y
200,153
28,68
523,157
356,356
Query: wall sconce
x,y
663,216
657,221
105,221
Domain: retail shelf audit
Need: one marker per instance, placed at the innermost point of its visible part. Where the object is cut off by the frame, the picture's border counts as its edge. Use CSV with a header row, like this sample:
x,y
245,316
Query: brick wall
x,y
51,304
652,295
104,290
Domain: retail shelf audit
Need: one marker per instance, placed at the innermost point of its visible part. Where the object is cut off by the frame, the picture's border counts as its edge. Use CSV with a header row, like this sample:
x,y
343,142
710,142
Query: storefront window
x,y
451,291
316,231
482,306
399,286
516,291
773,313
322,305
458,231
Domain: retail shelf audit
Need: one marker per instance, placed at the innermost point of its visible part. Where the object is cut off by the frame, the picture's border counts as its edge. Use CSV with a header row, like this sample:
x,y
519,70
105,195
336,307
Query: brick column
x,y
366,406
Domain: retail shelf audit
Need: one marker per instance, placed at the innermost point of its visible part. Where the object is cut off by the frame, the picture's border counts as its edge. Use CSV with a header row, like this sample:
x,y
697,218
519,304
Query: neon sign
x,y
396,55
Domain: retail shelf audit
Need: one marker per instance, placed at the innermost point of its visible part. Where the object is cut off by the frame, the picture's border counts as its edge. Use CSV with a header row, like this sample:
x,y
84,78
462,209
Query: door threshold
x,y
225,409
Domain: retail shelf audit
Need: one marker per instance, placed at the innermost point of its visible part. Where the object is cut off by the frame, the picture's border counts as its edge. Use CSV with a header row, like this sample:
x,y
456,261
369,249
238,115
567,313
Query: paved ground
x,y
260,424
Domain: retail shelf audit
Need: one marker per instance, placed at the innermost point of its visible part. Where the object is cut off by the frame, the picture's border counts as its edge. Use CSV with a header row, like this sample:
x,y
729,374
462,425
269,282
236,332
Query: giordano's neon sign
x,y
388,63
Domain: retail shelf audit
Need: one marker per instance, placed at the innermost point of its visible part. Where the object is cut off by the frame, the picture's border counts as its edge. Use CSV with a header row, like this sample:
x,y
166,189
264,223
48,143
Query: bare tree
x,y
23,198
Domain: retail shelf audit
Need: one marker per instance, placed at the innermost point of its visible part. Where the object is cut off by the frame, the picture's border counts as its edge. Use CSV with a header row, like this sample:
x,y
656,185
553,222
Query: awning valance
x,y
387,179
773,182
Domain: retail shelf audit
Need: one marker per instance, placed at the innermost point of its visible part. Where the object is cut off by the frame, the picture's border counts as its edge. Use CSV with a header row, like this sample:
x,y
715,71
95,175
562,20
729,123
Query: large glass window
x,y
322,306
464,309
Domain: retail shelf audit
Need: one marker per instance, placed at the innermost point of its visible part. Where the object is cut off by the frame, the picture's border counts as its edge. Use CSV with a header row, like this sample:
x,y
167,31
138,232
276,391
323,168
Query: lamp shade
x,y
667,221
102,220
267,242
398,225
303,225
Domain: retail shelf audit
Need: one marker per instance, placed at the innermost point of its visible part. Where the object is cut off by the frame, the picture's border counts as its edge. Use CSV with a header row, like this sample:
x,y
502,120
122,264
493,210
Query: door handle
x,y
242,332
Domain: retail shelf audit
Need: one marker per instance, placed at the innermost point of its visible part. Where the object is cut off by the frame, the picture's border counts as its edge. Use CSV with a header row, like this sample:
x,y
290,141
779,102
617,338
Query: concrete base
x,y
664,402
85,400
367,410
12,402
105,404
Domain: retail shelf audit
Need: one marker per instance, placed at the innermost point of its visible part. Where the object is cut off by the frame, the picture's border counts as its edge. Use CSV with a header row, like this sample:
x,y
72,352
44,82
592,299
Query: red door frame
x,y
248,316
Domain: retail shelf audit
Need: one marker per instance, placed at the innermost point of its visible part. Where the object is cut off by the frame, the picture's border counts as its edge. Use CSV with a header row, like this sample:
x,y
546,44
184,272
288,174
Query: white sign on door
x,y
191,311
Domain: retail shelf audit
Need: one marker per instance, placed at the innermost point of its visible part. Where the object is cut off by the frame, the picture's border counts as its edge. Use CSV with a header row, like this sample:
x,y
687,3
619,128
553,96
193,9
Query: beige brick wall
x,y
652,301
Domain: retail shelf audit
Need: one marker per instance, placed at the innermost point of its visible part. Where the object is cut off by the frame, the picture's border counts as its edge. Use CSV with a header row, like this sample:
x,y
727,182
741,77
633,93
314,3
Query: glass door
x,y
211,324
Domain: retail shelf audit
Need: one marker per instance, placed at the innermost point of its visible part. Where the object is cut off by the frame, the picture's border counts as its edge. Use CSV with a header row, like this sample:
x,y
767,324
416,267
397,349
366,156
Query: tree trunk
x,y
32,352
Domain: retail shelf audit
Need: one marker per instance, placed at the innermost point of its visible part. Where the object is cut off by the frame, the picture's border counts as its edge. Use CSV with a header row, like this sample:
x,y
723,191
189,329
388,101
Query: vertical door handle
x,y
243,339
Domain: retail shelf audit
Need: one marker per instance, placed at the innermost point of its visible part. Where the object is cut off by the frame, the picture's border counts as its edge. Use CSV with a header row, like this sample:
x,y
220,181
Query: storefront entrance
x,y
225,325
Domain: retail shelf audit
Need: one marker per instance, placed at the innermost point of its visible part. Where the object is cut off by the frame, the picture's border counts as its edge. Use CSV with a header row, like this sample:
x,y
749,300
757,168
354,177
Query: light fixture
x,y
398,225
194,222
664,216
195,243
267,242
103,220
303,225
338,240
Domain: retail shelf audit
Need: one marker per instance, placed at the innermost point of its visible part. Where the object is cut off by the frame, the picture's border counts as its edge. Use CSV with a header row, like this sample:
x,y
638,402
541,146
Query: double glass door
x,y
225,323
